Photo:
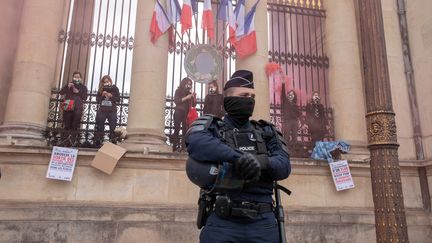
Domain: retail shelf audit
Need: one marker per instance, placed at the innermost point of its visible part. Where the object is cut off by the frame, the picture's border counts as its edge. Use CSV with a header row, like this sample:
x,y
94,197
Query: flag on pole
x,y
159,23
247,44
194,6
173,11
239,12
226,14
186,16
207,19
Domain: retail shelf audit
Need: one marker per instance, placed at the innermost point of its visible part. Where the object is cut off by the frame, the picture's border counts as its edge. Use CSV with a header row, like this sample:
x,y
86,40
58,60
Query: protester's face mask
x,y
107,83
76,80
212,90
188,87
316,98
239,108
291,96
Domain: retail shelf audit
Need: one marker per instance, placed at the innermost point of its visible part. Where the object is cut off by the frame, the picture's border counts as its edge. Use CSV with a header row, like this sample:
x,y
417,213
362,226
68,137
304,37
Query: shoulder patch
x,y
202,123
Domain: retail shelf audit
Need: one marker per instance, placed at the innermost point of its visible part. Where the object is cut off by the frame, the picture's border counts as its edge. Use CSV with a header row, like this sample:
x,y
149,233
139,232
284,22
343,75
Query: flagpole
x,y
222,36
188,33
196,27
175,29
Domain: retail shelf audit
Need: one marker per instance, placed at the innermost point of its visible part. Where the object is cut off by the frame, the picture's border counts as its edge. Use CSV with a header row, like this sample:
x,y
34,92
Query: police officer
x,y
235,161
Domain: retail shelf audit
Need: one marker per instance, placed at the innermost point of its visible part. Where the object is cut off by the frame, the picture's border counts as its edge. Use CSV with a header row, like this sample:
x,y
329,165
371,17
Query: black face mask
x,y
239,108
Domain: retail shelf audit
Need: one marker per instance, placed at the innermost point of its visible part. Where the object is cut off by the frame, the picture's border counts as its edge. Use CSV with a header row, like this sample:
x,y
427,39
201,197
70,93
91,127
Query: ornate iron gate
x,y
177,51
297,43
97,40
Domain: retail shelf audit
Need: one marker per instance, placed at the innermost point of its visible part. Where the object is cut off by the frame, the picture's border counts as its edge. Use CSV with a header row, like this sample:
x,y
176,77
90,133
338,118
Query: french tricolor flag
x,y
247,44
173,11
226,14
239,12
186,16
159,23
207,19
194,6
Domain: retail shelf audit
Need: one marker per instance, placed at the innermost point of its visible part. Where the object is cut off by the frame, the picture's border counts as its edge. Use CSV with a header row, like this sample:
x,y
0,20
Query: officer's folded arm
x,y
279,166
203,146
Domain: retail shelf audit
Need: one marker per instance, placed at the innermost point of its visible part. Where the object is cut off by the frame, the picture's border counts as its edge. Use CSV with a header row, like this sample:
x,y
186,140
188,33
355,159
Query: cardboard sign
x,y
341,175
62,163
107,157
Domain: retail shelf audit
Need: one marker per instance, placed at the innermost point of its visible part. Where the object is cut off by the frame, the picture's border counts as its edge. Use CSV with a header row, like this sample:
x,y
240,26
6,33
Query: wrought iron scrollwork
x,y
84,137
94,39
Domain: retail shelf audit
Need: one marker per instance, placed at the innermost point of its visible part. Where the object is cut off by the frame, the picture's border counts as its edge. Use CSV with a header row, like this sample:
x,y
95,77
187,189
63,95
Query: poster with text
x,y
341,175
62,163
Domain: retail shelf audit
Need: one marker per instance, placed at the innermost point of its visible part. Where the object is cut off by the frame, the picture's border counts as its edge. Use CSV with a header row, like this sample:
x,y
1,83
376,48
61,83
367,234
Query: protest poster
x,y
62,163
341,175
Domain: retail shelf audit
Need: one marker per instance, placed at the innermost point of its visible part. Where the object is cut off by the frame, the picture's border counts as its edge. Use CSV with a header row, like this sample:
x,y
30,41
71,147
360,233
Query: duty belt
x,y
225,208
259,207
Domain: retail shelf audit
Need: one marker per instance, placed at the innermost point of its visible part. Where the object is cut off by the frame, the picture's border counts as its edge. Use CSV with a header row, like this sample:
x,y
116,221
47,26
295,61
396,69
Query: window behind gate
x,y
176,55
97,40
296,43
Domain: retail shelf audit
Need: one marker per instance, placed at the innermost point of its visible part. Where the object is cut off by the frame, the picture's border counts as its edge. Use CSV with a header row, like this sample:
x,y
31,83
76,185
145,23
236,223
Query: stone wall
x,y
420,36
148,198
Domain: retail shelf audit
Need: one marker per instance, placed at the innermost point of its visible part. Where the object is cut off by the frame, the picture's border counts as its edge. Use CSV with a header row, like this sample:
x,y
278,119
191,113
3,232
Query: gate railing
x,y
84,136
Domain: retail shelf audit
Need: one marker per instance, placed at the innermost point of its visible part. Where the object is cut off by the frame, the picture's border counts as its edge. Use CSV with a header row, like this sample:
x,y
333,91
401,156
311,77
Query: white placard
x,y
62,163
341,175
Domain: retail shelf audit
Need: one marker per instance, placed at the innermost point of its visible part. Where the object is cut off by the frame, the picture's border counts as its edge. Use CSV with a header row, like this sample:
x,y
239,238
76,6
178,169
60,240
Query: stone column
x,y
11,15
146,120
34,67
256,62
390,220
345,78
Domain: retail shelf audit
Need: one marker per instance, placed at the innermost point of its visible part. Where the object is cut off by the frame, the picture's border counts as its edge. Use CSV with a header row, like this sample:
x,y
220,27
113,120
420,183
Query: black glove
x,y
248,167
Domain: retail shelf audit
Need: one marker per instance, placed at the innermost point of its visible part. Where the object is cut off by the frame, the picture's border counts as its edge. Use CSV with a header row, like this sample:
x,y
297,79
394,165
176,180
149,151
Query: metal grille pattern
x,y
84,137
92,39
311,4
177,50
97,40
296,42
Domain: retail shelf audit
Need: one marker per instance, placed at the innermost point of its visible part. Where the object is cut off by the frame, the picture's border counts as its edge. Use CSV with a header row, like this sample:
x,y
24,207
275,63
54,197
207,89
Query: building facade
x,y
148,198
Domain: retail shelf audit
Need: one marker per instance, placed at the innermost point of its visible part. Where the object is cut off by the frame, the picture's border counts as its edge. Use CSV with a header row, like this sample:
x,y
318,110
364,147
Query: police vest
x,y
221,177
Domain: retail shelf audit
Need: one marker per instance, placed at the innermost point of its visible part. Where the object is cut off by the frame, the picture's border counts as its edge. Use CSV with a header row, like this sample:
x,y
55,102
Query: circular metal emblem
x,y
203,64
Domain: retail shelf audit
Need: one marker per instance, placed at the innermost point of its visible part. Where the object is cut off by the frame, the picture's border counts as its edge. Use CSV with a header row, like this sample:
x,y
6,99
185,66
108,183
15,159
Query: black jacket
x,y
315,116
115,99
182,106
79,97
207,146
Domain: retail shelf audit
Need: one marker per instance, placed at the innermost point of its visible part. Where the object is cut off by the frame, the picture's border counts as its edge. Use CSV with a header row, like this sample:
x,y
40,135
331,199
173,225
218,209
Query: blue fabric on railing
x,y
323,150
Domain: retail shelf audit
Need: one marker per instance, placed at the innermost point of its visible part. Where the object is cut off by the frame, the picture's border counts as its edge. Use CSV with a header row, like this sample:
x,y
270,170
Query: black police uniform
x,y
249,216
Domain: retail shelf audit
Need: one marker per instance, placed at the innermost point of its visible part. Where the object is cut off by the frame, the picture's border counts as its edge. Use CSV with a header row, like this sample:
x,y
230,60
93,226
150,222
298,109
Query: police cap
x,y
240,78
